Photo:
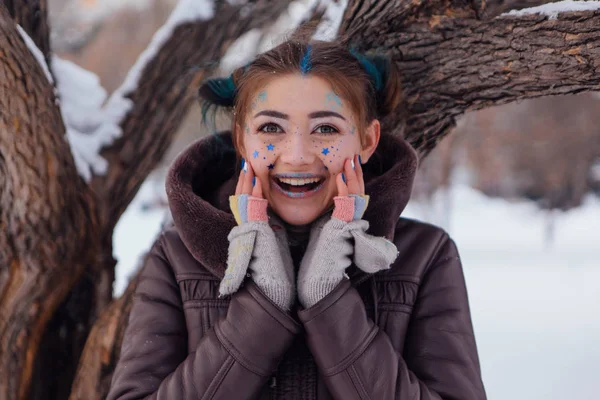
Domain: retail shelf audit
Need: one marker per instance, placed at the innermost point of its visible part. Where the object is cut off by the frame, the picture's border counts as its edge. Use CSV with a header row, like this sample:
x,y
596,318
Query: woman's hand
x,y
255,248
350,180
335,243
247,182
351,201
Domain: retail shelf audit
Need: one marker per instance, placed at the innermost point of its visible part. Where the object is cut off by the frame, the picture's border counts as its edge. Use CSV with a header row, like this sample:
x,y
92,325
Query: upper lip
x,y
297,175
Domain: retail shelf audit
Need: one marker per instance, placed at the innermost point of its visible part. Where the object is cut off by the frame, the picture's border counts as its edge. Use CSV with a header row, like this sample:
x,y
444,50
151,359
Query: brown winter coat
x,y
402,334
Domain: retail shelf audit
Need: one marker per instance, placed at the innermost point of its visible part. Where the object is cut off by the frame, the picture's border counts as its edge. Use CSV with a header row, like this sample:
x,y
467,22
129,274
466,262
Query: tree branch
x,y
32,16
451,65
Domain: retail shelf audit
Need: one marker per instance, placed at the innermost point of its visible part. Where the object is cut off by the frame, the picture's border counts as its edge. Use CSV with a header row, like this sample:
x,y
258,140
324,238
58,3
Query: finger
x,y
257,189
240,182
359,174
351,178
341,186
248,178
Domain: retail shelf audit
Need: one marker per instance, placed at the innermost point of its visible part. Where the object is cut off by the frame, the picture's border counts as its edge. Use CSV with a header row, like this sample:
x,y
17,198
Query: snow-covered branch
x,y
551,10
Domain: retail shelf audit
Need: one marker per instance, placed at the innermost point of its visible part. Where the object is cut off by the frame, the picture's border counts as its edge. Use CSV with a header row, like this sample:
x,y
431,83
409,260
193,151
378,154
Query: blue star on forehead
x,y
271,166
255,154
270,147
325,151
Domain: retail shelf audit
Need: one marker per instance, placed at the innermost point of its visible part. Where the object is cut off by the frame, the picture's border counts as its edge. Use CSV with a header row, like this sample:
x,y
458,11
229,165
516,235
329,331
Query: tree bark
x,y
44,209
97,364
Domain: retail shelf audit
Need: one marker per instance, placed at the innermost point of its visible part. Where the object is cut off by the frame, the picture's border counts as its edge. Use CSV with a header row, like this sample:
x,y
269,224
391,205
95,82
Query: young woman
x,y
293,276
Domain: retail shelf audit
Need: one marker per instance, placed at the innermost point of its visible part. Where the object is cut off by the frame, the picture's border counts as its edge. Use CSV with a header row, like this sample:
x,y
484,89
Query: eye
x,y
326,129
270,127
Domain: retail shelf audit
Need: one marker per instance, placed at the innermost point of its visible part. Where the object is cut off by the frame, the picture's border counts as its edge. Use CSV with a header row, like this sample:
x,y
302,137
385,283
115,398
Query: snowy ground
x,y
536,309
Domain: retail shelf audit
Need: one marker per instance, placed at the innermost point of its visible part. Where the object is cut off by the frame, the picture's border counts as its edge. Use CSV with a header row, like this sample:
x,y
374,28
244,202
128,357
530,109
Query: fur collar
x,y
204,175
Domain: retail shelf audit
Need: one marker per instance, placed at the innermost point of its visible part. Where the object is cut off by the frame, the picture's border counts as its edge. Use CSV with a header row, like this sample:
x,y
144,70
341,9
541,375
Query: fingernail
x,y
360,159
254,181
244,165
344,177
352,163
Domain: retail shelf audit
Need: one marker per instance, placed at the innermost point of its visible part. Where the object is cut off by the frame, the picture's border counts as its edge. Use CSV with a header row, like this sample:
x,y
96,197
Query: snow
x,y
37,53
87,128
91,123
553,9
328,28
186,11
136,231
81,98
533,306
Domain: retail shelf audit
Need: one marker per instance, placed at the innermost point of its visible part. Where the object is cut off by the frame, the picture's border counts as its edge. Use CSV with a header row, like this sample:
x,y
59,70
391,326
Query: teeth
x,y
299,182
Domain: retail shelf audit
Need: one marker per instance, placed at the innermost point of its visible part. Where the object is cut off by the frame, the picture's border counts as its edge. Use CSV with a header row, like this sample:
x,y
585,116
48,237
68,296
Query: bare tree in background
x,y
56,229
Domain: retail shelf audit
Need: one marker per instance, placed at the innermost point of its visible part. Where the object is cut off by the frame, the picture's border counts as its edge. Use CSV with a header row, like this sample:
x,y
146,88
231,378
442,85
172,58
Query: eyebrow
x,y
313,115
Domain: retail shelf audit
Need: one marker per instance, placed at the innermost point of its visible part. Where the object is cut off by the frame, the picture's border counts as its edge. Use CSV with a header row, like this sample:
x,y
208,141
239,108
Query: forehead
x,y
299,94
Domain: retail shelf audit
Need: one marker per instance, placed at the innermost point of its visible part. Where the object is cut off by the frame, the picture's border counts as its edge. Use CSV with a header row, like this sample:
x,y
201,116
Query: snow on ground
x,y
553,9
536,309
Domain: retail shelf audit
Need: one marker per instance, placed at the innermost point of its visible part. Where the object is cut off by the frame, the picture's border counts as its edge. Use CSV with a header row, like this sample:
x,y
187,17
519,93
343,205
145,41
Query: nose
x,y
298,150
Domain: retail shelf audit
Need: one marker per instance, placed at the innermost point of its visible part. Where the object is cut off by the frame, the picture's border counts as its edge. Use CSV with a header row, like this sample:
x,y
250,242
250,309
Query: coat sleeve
x,y
233,360
358,361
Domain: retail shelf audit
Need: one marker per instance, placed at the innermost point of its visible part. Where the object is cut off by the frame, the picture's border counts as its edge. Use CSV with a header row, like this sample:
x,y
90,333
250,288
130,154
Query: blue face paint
x,y
332,97
325,151
262,96
270,147
255,154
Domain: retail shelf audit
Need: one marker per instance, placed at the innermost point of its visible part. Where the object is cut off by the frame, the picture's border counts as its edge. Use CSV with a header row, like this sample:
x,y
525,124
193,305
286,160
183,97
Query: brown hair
x,y
371,84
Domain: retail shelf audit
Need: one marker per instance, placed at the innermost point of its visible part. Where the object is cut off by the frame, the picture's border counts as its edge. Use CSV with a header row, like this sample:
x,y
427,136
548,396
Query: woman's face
x,y
297,135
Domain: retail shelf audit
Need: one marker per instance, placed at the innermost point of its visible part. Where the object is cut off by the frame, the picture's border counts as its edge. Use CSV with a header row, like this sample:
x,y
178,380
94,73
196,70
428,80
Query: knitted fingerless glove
x,y
331,245
255,246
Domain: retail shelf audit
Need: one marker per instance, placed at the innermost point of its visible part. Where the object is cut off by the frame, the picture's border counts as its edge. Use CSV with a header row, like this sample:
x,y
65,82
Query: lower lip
x,y
299,195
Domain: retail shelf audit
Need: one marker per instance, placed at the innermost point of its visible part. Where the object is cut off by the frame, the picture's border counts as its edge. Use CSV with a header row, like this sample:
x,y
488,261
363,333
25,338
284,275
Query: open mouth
x,y
298,187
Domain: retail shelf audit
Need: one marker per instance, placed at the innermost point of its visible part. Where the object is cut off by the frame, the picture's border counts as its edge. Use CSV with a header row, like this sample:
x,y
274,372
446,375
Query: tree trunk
x,y
56,231
44,208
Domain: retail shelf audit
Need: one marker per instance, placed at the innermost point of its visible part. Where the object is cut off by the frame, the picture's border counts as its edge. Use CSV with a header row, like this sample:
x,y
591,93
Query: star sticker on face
x,y
271,166
255,154
270,147
325,151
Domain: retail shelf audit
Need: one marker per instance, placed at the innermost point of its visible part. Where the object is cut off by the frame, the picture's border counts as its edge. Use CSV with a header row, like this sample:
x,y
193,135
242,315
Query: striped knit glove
x,y
255,246
331,246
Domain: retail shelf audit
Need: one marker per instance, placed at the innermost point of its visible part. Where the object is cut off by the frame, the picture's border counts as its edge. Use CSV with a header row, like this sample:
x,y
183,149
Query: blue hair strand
x,y
305,63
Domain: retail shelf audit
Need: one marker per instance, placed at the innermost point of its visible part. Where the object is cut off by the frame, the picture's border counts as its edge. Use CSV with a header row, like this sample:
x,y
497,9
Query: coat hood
x,y
204,175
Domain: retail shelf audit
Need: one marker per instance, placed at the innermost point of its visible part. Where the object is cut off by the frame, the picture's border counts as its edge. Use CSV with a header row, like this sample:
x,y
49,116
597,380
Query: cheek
x,y
333,154
261,153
